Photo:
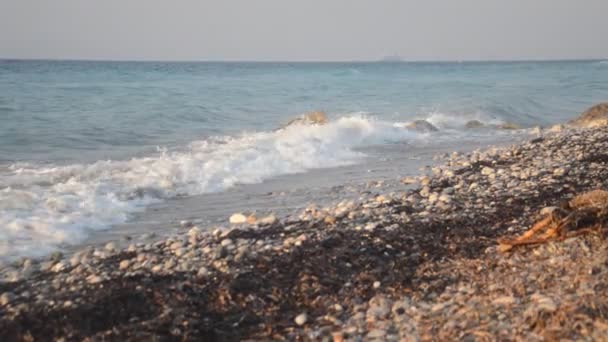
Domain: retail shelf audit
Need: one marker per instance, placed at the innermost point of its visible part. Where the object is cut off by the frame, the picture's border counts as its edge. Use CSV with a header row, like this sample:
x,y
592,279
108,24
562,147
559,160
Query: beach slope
x,y
416,265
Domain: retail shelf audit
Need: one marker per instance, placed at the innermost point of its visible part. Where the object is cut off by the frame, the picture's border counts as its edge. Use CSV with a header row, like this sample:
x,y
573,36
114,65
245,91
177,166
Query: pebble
x,y
408,180
301,319
379,308
425,191
56,256
75,260
124,265
185,223
238,218
169,265
220,252
544,303
176,245
504,300
486,171
330,220
60,266
226,243
337,336
439,306
180,252
424,181
47,265
547,210
445,198
100,254
94,279
185,267
559,172
268,220
194,231
110,247
376,334
203,272
6,298
371,226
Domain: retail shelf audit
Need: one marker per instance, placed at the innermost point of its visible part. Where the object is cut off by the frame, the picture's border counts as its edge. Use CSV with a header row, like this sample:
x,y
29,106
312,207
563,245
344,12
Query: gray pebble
x,y
203,272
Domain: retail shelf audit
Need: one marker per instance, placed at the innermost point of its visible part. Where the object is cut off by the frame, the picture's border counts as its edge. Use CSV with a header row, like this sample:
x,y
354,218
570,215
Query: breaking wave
x,y
42,207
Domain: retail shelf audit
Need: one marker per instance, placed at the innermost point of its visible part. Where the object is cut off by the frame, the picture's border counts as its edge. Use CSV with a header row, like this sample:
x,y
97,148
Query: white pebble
x,y
194,231
226,242
94,279
60,266
301,319
559,172
486,171
110,246
238,218
547,210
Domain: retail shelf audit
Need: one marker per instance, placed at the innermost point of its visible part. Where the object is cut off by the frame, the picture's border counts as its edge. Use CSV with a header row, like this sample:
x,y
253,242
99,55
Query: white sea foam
x,y
451,121
43,207
445,121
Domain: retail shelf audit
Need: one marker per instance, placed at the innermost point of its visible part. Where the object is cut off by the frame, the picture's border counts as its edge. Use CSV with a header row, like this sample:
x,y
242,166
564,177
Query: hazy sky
x,y
303,30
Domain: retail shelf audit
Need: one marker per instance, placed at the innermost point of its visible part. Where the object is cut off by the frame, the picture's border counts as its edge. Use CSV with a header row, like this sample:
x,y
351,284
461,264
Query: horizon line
x,y
302,61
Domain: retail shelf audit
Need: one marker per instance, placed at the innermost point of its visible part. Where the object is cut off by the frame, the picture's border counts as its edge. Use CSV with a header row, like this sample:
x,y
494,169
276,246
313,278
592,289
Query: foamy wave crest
x,y
44,207
459,121
452,121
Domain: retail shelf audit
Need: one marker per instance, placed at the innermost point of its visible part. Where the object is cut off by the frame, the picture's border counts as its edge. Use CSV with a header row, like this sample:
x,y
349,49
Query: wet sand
x,y
414,264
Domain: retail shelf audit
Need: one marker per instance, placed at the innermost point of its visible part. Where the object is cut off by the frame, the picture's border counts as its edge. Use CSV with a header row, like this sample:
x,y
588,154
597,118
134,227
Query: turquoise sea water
x,y
52,110
84,145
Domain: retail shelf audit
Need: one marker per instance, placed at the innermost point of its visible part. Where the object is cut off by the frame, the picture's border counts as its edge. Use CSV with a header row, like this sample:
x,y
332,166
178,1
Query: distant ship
x,y
393,58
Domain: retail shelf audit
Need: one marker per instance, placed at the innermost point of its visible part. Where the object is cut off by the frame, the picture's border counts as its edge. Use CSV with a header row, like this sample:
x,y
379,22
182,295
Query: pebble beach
x,y
420,264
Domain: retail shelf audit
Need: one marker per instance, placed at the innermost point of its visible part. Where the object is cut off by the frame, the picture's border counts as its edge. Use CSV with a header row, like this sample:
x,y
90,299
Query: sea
x,y
92,151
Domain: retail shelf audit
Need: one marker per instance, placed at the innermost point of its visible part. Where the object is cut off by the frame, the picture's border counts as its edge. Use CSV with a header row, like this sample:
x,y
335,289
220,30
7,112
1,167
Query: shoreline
x,y
378,170
415,265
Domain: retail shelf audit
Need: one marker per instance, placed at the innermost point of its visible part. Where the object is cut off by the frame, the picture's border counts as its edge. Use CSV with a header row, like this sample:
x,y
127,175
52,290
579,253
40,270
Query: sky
x,y
306,30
